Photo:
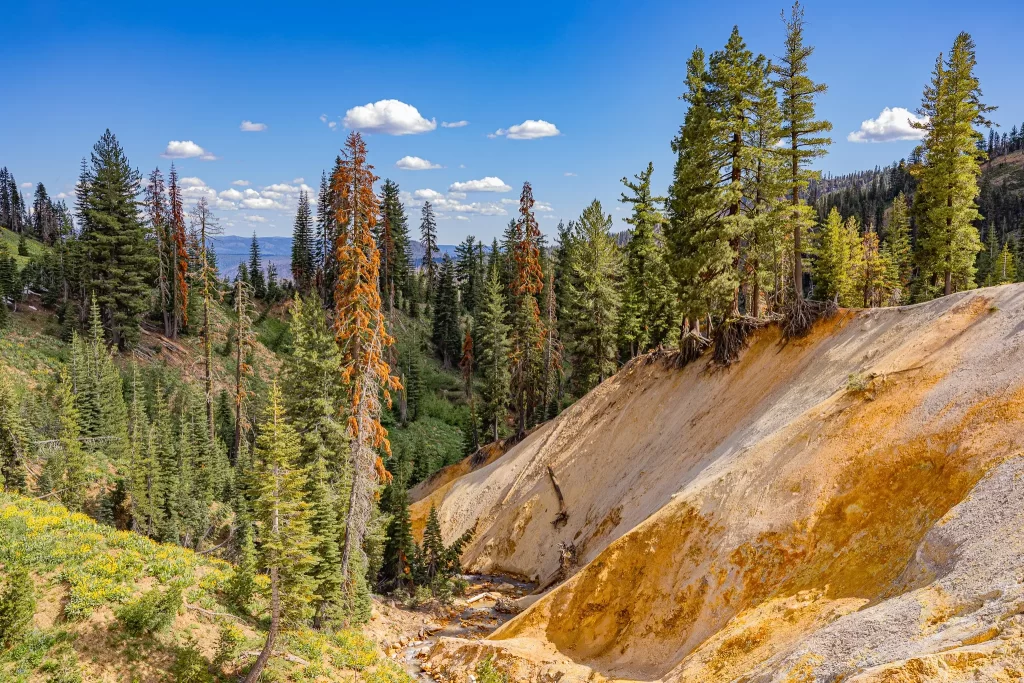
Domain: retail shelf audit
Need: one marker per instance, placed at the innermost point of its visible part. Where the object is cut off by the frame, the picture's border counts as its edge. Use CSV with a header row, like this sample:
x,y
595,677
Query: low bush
x,y
151,612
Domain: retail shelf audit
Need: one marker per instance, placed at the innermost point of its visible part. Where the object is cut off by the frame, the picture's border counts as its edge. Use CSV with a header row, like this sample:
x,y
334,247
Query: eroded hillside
x,y
843,507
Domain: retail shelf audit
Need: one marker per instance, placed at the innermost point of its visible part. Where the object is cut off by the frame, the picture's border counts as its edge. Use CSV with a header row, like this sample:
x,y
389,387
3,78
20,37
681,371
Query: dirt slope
x,y
776,521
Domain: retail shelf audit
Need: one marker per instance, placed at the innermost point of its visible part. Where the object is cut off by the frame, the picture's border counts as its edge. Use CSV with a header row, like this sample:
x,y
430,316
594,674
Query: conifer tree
x,y
400,548
446,335
360,331
527,335
468,273
393,241
803,135
428,237
17,605
466,367
594,299
257,278
492,354
326,228
159,221
244,343
302,246
832,259
282,521
178,249
14,441
67,463
119,257
898,253
948,178
648,306
205,225
701,251
1005,270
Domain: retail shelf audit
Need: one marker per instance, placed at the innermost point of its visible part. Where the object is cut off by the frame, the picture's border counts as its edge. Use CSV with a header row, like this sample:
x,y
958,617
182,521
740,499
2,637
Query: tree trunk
x,y
275,624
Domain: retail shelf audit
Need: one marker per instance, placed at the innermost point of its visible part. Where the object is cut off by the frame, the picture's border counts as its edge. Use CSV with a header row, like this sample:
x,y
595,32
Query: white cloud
x,y
298,181
191,181
198,191
332,125
509,200
415,164
454,124
323,117
542,206
281,187
232,194
224,205
186,149
254,219
428,194
388,116
891,125
461,218
252,127
252,194
529,129
569,174
457,195
262,203
240,183
488,184
26,184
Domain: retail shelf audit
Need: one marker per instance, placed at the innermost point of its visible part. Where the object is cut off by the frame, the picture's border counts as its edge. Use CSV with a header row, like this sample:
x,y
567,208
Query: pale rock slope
x,y
849,506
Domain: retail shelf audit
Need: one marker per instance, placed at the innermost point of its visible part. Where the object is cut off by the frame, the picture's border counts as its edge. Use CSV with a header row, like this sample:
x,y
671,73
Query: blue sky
x,y
605,75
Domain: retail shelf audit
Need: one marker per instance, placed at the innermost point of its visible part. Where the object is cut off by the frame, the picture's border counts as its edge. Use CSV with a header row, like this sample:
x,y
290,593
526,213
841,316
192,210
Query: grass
x,y
100,568
11,239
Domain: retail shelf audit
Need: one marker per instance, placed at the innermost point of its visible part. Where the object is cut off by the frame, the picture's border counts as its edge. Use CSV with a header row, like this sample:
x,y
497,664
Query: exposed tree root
x,y
563,515
732,336
691,347
801,314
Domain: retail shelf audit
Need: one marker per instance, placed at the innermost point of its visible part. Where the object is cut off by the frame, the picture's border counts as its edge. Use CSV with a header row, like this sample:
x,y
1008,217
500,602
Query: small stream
x,y
477,620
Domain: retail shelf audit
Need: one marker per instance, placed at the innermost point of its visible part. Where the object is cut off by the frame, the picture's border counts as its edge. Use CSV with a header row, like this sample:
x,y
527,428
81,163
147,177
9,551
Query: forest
x,y
276,421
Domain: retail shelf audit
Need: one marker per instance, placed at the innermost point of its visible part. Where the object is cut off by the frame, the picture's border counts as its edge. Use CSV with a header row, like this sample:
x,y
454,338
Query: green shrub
x,y
17,605
190,666
151,612
355,651
62,667
386,672
488,672
229,643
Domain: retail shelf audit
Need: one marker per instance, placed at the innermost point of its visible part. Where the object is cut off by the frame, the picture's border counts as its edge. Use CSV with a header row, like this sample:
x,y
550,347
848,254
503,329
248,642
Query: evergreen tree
x,y
302,246
67,463
468,272
1005,270
527,335
400,548
326,229
205,225
701,250
428,237
466,367
179,255
648,313
393,241
446,335
898,253
282,520
157,211
17,605
802,134
361,334
256,275
14,442
593,299
831,247
245,340
948,178
119,255
492,355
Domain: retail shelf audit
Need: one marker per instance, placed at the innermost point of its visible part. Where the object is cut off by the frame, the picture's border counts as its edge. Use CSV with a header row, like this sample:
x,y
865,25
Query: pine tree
x,y
159,221
466,367
701,250
256,276
205,225
648,313
393,241
17,605
326,229
898,253
832,259
428,237
282,520
527,335
244,343
947,180
69,460
1005,270
302,246
593,299
361,334
492,354
119,257
446,335
14,442
400,548
468,274
800,130
179,255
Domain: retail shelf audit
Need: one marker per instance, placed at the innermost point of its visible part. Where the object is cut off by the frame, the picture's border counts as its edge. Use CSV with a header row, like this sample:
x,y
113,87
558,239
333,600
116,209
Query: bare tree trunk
x,y
275,625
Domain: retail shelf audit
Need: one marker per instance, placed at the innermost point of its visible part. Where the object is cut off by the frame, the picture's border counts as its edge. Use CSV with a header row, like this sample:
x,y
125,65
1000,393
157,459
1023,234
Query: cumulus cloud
x,y
252,127
393,117
428,195
262,203
231,194
298,181
415,164
451,203
323,117
891,125
240,183
542,206
454,124
569,174
530,129
191,181
461,218
254,219
488,184
26,184
186,149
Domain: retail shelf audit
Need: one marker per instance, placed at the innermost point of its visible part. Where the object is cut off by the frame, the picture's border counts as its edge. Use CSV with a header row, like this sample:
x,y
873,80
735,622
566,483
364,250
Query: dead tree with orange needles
x,y
362,337
178,248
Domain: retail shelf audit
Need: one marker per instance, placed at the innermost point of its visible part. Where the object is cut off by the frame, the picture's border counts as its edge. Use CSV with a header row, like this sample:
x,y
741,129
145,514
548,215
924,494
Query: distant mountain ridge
x,y
234,249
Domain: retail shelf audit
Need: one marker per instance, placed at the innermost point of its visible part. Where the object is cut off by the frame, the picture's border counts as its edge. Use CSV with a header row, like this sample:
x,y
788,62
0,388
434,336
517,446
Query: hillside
x,y
838,508
85,575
